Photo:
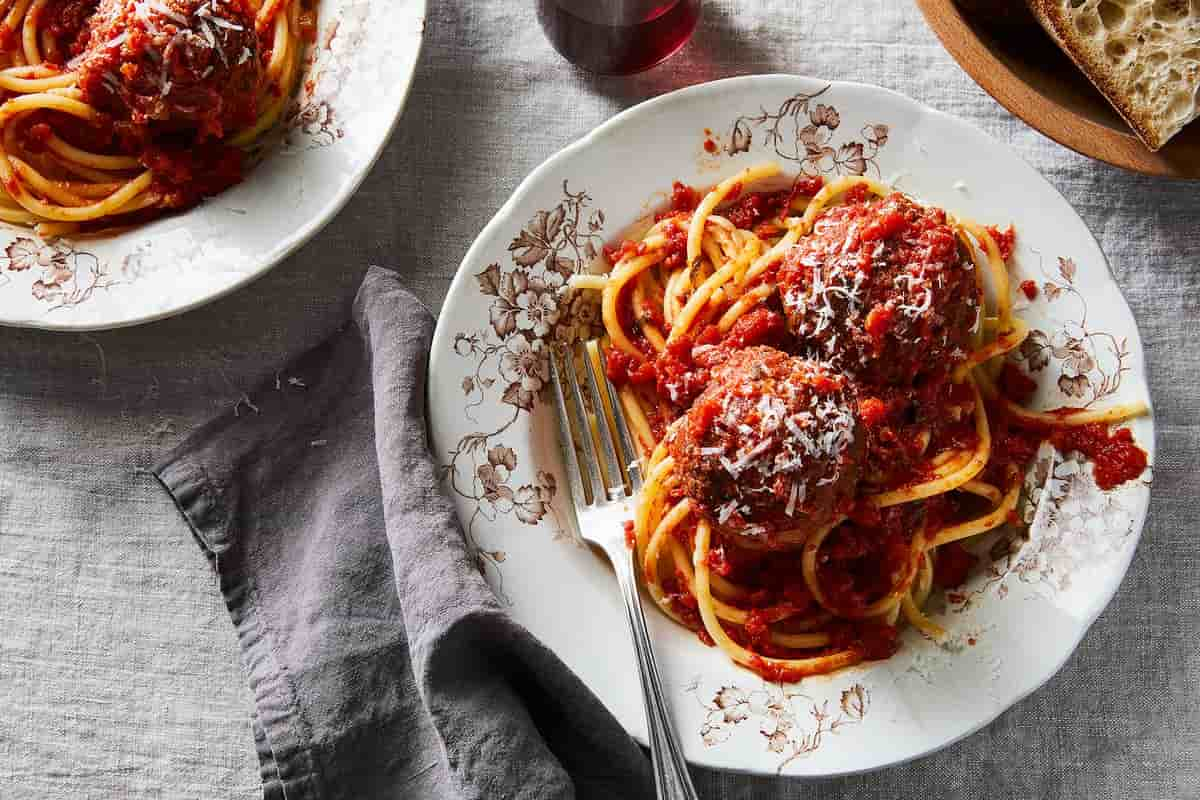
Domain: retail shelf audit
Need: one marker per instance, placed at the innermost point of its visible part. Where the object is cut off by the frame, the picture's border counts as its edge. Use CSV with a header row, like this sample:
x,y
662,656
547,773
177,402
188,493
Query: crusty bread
x,y
1143,55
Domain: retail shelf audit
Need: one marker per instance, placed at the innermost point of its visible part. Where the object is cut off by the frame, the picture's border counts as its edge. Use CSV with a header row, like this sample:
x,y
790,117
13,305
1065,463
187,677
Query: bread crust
x,y
1140,118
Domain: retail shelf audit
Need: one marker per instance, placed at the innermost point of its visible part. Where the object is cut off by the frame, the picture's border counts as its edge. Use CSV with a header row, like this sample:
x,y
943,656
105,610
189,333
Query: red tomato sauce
x,y
906,413
630,534
65,20
906,426
952,565
857,562
626,249
1005,240
758,326
874,641
781,594
681,371
676,247
183,176
755,207
776,576
171,80
163,77
806,186
1116,458
1015,384
684,197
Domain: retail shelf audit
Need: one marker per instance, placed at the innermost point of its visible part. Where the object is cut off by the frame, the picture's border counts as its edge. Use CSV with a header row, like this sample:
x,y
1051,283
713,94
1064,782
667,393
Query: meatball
x,y
174,66
771,446
882,289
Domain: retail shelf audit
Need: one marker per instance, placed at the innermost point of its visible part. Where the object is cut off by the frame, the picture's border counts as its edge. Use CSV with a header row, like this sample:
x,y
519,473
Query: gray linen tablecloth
x,y
119,672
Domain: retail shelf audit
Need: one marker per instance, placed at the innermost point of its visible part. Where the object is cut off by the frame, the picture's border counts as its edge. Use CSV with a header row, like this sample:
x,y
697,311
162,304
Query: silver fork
x,y
601,523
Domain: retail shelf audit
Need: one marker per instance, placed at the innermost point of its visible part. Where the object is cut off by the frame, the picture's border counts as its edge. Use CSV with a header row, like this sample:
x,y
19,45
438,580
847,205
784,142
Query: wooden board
x,y
1025,71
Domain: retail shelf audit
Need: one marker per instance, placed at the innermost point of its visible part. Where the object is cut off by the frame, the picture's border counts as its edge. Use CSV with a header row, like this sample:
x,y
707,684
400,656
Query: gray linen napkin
x,y
381,664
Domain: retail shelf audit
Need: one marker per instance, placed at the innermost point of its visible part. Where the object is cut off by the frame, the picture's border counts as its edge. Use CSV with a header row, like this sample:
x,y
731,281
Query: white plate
x,y
355,83
1010,630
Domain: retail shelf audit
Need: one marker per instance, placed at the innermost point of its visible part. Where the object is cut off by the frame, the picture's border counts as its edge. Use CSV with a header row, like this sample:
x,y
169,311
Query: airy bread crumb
x,y
1143,55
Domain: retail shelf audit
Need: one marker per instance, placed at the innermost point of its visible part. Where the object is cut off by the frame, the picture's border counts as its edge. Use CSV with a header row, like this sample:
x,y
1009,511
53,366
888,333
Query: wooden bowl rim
x,y
1061,123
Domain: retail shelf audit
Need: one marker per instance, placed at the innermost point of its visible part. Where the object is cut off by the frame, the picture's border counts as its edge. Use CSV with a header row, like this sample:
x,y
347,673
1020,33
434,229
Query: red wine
x,y
618,36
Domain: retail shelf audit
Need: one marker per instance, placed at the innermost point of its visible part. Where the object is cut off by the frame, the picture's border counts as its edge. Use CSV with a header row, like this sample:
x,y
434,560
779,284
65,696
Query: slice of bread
x,y
1143,55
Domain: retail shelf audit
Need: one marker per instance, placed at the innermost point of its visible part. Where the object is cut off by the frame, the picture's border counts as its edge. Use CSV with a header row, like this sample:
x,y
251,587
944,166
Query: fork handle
x,y
671,779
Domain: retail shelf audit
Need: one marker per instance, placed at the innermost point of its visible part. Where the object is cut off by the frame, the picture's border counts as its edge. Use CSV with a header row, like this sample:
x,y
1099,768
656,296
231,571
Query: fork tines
x,y
591,425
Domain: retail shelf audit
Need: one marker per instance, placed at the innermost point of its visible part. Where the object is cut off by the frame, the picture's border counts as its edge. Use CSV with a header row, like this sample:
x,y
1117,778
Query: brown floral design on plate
x,y
1066,523
66,276
311,120
316,122
803,132
1090,363
780,713
530,311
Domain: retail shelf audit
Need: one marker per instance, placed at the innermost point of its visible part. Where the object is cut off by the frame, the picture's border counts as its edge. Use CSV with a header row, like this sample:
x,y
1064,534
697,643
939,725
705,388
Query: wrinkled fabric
x,y
382,665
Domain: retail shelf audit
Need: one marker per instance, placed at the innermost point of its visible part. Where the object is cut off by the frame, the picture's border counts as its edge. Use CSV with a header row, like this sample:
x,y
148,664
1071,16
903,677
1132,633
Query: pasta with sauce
x,y
818,390
117,111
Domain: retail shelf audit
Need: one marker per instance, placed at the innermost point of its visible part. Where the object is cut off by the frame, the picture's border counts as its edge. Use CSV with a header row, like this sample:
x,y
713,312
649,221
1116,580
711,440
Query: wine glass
x,y
618,37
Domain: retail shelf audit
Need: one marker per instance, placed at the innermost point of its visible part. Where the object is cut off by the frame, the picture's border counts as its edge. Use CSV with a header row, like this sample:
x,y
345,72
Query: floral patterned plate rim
x,y
356,79
494,437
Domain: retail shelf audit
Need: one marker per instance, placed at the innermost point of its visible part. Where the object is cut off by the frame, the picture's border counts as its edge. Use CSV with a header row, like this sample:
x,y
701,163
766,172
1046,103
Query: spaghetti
x,y
116,111
817,385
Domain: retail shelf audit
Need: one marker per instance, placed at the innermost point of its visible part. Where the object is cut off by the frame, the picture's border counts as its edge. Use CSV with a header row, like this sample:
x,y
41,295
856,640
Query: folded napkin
x,y
382,665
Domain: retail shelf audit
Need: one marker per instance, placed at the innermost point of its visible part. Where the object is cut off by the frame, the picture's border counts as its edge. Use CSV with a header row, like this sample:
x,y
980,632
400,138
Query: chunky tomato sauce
x,y
902,319
906,424
683,198
751,209
1015,384
952,565
1006,240
1115,455
1116,458
780,593
191,67
173,79
858,562
64,20
681,371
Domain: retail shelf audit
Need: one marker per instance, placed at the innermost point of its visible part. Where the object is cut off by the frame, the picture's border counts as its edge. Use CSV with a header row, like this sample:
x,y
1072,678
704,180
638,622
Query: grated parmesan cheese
x,y
790,509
